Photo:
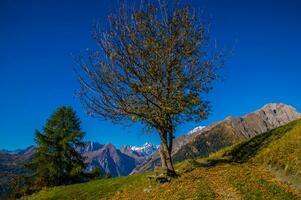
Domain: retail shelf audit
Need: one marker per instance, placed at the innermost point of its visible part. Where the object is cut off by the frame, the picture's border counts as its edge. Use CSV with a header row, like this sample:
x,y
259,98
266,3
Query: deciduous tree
x,y
154,65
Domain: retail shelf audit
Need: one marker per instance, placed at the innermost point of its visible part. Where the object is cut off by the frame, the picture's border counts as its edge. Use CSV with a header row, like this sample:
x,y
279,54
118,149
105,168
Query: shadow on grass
x,y
244,151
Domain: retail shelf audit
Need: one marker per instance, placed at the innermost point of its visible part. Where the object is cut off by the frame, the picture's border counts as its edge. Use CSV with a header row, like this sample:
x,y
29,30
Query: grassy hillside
x,y
267,166
278,149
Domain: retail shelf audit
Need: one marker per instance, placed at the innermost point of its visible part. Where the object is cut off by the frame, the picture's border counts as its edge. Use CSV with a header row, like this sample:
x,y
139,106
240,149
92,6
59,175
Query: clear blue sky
x,y
37,39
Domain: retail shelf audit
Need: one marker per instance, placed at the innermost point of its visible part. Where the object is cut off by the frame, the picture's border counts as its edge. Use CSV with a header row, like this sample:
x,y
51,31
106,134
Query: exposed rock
x,y
224,133
196,129
111,160
88,147
127,150
117,162
146,150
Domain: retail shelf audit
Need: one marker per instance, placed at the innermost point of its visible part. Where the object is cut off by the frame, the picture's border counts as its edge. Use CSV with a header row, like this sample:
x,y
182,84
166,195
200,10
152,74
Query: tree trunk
x,y
165,154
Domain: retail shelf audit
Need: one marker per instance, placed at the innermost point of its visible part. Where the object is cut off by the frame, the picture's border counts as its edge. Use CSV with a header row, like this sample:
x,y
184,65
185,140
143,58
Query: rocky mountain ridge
x,y
111,160
117,162
200,141
145,150
206,140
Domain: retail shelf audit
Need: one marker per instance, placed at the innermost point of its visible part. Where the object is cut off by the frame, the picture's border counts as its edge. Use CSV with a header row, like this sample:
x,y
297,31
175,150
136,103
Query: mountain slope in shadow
x,y
225,133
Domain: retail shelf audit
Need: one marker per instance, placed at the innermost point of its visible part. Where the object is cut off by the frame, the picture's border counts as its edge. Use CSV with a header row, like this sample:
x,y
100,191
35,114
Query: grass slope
x,y
267,166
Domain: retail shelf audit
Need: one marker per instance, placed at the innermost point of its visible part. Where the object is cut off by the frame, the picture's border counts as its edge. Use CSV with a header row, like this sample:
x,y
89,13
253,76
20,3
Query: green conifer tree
x,y
56,161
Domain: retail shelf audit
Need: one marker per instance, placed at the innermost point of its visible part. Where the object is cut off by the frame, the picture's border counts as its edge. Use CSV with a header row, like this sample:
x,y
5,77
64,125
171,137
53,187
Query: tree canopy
x,y
153,66
56,162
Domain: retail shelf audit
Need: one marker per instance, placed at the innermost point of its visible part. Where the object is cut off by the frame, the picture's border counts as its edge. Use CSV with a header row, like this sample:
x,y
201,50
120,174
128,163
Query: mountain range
x,y
111,160
11,165
202,141
266,166
199,142
117,162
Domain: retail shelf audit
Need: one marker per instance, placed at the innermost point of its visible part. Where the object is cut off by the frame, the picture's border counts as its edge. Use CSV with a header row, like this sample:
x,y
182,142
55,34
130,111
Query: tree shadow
x,y
246,150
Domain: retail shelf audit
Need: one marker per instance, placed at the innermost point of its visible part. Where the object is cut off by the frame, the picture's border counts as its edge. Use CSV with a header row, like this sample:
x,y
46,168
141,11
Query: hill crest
x,y
226,132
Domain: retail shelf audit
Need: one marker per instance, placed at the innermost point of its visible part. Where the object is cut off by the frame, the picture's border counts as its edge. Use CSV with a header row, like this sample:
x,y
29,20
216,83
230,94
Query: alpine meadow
x,y
150,99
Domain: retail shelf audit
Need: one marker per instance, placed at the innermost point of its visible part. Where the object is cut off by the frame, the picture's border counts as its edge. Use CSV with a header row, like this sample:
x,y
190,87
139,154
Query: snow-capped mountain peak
x,y
146,150
196,129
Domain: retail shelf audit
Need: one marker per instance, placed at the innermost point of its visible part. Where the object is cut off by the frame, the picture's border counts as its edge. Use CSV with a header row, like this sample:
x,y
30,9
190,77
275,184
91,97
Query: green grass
x,y
256,183
242,171
279,149
95,189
